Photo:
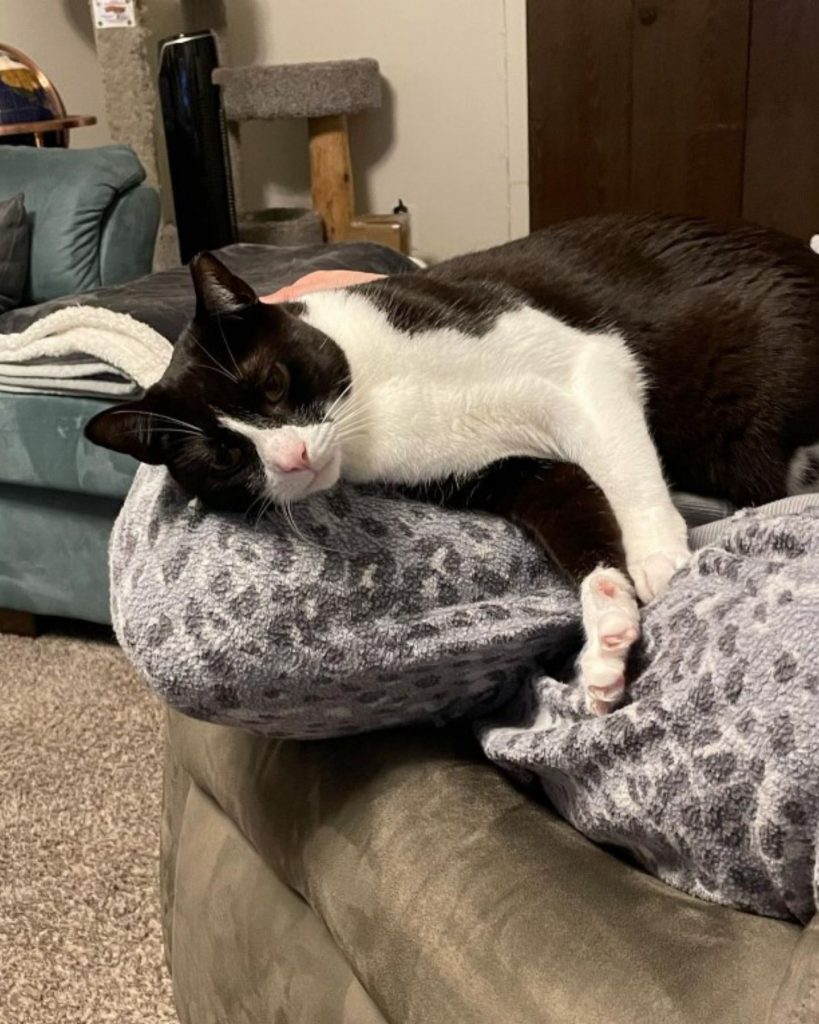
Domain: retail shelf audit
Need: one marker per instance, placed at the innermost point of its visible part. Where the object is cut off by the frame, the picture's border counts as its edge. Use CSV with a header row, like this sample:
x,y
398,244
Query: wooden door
x,y
706,107
781,179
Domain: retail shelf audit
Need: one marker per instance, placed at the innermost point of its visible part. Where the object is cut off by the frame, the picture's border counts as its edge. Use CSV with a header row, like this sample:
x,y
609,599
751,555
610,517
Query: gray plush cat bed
x,y
385,612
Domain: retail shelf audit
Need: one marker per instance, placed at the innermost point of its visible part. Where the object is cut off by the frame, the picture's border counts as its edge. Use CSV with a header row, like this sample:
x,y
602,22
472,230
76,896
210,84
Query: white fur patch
x,y
803,471
446,402
272,442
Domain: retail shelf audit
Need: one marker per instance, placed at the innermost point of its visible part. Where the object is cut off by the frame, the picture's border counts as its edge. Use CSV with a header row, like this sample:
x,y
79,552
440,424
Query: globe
x,y
26,95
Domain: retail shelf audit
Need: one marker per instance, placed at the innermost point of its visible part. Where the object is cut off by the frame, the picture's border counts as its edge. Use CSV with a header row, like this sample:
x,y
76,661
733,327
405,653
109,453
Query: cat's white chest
x,y
439,402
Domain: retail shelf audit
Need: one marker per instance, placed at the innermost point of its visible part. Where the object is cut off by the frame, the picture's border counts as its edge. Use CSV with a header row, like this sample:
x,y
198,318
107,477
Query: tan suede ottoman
x,y
399,877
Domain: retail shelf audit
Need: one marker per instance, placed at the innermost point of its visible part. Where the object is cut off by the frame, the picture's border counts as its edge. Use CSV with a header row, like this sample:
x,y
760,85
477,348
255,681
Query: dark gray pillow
x,y
15,244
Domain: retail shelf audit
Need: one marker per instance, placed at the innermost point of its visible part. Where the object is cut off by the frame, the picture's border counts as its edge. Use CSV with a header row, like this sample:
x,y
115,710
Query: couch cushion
x,y
42,445
131,225
15,243
165,300
53,548
67,194
455,897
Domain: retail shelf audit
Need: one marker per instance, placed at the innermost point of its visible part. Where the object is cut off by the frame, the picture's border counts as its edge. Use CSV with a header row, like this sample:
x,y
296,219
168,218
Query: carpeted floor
x,y
80,790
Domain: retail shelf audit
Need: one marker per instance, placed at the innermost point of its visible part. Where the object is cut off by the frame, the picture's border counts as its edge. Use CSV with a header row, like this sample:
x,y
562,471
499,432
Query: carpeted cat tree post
x,y
128,85
125,51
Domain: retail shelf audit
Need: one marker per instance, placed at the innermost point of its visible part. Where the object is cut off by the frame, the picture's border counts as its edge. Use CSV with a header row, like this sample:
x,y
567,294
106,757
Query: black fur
x,y
229,360
724,321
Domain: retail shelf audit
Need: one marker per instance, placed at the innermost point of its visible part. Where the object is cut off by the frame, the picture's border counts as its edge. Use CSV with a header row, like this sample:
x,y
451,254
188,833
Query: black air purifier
x,y
196,143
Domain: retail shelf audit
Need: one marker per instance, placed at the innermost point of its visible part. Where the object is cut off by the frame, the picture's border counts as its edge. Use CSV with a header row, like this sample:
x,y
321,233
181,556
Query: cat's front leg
x,y
611,623
601,426
654,552
571,519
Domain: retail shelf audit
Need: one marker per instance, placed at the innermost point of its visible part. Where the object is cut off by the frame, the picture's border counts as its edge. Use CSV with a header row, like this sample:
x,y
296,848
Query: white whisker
x,y
147,414
228,348
341,428
169,430
263,511
216,369
213,358
287,510
357,424
340,398
353,416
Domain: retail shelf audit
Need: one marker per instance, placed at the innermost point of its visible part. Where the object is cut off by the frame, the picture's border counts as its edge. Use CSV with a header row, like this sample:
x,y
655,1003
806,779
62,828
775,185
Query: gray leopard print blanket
x,y
382,612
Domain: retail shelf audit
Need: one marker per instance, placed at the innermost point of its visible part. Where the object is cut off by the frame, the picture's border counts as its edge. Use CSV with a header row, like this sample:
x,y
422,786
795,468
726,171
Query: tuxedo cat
x,y
563,381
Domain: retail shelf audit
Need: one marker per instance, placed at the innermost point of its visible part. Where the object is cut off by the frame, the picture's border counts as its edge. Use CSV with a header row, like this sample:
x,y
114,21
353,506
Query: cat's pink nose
x,y
293,458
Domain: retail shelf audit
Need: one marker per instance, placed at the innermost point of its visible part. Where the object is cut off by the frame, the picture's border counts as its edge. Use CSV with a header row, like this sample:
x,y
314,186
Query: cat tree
x,y
324,93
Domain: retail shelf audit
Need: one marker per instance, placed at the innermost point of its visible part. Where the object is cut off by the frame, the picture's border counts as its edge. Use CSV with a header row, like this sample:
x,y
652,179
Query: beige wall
x,y
58,35
450,139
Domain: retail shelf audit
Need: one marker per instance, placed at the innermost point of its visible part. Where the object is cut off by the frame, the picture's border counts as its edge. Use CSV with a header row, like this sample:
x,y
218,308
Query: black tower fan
x,y
197,149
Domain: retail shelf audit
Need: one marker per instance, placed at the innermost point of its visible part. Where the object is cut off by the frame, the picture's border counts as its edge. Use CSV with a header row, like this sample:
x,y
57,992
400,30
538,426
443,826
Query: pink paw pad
x,y
616,641
601,699
610,691
611,621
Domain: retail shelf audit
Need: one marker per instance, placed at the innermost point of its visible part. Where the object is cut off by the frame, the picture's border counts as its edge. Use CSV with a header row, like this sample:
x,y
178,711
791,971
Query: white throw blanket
x,y
83,350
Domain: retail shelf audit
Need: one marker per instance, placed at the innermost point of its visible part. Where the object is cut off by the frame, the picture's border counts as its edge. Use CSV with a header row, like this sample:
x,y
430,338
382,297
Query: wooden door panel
x,y
782,148
689,93
579,54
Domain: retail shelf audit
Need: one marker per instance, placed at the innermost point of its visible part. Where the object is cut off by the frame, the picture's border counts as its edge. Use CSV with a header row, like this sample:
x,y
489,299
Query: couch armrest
x,y
455,897
129,236
70,194
798,996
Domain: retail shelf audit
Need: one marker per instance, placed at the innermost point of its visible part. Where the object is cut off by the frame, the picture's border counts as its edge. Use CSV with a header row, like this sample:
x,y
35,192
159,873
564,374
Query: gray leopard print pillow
x,y
381,612
710,776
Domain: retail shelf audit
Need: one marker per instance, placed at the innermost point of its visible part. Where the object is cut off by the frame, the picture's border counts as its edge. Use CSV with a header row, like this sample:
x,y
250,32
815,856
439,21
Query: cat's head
x,y
243,414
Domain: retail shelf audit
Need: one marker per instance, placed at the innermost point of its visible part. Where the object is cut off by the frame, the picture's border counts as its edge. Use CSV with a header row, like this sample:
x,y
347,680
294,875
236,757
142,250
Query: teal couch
x,y
59,494
94,225
58,499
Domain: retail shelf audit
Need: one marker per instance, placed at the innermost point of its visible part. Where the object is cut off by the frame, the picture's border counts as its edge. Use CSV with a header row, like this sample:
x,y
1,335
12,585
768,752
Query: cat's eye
x,y
277,385
227,456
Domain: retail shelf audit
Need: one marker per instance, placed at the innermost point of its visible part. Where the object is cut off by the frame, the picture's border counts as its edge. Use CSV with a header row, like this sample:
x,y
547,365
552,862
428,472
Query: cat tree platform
x,y
324,93
332,88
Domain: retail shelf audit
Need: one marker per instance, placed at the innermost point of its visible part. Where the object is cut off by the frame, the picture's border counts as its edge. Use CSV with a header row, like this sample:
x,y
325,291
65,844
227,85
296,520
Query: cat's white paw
x,y
652,573
611,620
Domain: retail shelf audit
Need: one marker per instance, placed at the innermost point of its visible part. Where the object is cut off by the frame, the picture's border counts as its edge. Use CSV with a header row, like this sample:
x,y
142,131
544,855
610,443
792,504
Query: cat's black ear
x,y
129,429
218,291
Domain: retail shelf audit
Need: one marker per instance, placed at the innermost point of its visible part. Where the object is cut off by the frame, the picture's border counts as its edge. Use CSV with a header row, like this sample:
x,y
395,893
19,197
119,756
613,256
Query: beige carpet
x,y
80,789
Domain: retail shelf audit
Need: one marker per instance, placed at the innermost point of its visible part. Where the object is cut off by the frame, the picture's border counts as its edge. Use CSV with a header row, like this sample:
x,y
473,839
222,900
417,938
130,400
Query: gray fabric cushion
x,y
252,624
15,246
381,611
